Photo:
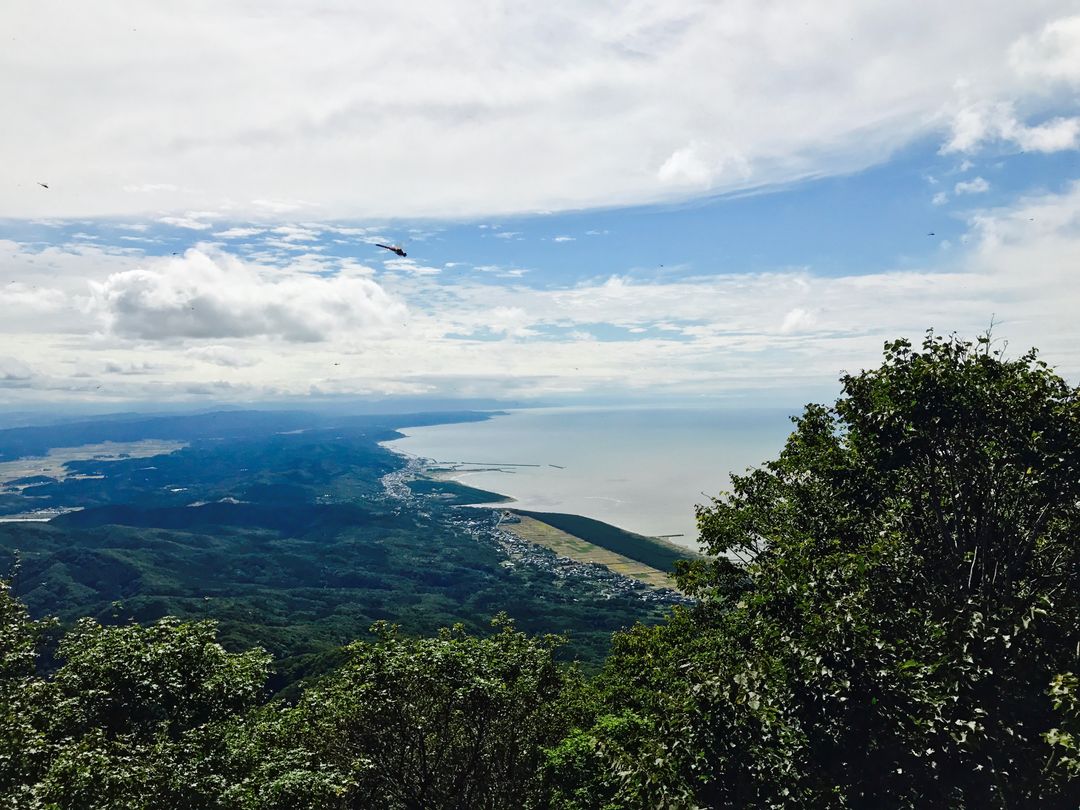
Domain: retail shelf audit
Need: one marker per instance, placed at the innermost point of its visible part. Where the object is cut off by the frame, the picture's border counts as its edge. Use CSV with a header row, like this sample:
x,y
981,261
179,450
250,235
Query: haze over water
x,y
640,469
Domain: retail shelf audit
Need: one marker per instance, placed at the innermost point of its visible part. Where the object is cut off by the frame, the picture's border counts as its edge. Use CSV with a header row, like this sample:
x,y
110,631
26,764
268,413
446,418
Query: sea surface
x,y
640,469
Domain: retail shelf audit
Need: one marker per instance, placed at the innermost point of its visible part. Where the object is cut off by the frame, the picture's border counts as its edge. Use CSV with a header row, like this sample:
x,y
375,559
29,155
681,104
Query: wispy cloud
x,y
400,114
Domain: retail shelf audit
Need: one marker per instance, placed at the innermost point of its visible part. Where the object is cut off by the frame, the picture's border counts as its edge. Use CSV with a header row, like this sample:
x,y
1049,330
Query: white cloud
x,y
977,186
1053,53
132,367
281,206
1055,135
14,370
238,233
702,167
215,295
226,356
147,188
294,233
983,122
940,198
411,266
426,109
510,321
189,222
797,320
563,239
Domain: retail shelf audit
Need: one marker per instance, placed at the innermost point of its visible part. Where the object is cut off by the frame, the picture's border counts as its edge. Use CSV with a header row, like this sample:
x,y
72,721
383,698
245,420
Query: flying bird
x,y
393,249
43,185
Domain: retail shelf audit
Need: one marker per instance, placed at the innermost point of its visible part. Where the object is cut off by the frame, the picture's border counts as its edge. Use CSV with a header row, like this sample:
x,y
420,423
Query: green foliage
x,y
1065,691
167,678
134,717
578,771
22,743
452,721
911,588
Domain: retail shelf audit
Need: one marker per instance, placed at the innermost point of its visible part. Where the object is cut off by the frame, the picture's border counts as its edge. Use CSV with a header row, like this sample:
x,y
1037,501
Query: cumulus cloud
x,y
426,109
215,295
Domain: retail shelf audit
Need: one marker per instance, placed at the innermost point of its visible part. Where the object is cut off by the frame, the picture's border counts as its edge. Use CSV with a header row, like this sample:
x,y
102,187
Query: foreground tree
x,y
133,717
454,721
911,590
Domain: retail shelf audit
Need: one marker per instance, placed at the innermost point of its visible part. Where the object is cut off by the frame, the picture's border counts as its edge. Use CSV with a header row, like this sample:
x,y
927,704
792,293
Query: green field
x,y
654,553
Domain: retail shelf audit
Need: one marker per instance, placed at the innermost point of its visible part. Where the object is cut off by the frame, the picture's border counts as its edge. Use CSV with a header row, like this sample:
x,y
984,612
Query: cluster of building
x,y
484,526
396,484
608,582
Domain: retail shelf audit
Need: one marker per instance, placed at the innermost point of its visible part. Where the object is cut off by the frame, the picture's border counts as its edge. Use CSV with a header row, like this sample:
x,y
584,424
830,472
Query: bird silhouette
x,y
392,249
43,185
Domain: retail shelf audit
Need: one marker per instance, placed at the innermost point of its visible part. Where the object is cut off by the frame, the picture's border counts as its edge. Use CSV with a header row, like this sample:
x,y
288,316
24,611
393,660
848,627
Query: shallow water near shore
x,y
640,469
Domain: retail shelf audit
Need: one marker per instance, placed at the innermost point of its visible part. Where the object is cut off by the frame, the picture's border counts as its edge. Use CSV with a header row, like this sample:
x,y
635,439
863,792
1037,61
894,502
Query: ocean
x,y
640,469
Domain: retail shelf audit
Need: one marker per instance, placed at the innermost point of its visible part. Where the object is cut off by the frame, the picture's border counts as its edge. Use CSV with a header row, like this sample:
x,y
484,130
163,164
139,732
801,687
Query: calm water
x,y
639,469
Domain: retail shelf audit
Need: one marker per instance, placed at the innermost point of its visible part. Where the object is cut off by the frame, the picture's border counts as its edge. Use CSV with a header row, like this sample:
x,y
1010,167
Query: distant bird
x,y
930,234
43,185
393,249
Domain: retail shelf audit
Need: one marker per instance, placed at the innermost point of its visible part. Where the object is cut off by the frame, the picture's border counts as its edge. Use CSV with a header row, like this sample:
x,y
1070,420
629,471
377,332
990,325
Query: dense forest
x,y
887,617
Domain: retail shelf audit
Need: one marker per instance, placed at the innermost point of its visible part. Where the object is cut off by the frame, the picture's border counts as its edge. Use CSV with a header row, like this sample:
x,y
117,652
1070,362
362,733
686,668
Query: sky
x,y
691,201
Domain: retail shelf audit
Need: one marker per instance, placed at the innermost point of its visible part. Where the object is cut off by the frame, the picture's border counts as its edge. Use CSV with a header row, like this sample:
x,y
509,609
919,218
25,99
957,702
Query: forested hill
x,y
281,526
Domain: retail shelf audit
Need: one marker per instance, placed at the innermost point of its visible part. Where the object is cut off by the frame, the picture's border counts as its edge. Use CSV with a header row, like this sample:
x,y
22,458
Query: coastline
x,y
645,559
644,470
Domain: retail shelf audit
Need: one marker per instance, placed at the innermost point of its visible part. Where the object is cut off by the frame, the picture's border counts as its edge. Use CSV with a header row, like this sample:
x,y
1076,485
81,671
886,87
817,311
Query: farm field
x,y
535,531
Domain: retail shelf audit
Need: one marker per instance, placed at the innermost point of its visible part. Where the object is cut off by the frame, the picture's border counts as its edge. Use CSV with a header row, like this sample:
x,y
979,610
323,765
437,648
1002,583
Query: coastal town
x,y
493,526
